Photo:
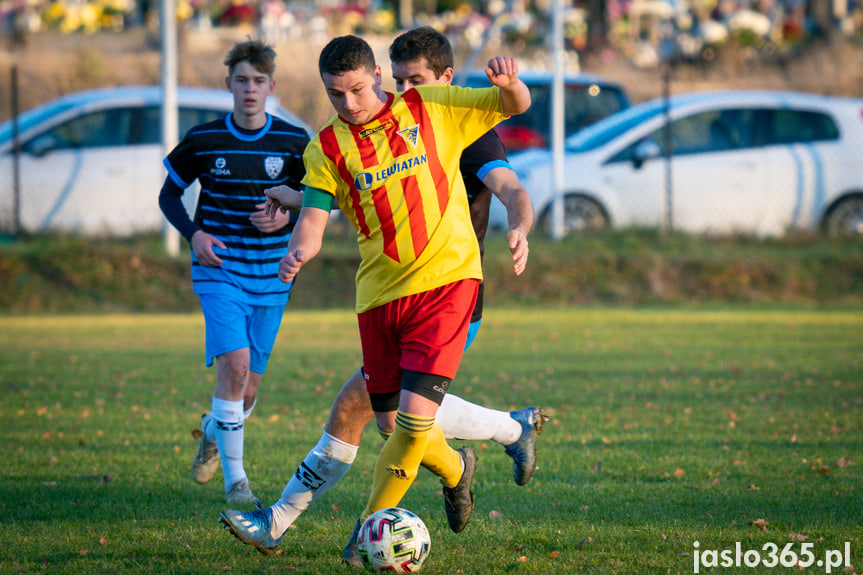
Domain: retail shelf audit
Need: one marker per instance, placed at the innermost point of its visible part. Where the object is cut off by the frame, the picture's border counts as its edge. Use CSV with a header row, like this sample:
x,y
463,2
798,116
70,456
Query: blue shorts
x,y
471,333
233,325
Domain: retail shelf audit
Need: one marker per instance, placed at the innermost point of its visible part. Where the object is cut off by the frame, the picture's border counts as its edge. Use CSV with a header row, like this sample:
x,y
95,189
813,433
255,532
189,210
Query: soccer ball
x,y
393,540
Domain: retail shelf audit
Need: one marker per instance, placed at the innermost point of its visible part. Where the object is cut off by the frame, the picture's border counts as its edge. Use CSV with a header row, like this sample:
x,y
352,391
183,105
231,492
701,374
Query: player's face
x,y
356,95
418,73
250,89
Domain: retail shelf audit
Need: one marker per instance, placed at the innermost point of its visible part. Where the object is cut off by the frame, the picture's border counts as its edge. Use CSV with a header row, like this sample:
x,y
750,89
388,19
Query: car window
x,y
151,123
798,127
706,132
583,106
612,127
94,130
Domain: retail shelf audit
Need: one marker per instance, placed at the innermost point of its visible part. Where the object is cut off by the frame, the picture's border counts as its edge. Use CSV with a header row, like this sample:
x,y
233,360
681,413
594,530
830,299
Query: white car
x,y
742,162
91,162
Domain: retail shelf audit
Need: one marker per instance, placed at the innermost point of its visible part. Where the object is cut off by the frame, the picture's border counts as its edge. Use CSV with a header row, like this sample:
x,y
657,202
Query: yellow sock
x,y
398,462
441,459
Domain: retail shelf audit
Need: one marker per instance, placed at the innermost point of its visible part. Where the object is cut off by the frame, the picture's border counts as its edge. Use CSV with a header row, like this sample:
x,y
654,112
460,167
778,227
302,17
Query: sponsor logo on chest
x,y
220,167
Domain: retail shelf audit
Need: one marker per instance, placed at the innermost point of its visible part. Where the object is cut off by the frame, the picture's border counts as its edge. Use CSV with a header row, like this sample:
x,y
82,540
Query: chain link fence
x,y
46,188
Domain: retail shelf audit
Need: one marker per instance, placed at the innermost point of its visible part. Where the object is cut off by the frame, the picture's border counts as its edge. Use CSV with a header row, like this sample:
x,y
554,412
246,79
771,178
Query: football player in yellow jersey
x,y
392,163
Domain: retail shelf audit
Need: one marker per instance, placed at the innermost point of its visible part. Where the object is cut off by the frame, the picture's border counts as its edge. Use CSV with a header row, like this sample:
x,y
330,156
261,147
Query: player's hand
x,y
202,245
502,71
518,246
269,223
290,265
281,199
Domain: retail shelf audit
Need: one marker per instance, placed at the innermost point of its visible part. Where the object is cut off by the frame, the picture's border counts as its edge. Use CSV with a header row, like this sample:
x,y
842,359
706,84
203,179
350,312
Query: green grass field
x,y
667,427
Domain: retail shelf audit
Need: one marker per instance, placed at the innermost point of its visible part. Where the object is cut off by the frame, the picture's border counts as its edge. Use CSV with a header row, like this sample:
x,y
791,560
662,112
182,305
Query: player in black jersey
x,y
236,248
420,56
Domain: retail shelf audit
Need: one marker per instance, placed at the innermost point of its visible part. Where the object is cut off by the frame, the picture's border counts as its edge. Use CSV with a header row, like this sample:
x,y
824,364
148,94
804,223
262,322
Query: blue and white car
x,y
91,162
742,162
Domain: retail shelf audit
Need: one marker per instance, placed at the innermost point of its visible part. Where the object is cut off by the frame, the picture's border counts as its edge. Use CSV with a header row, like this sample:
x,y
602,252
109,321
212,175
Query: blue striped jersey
x,y
234,167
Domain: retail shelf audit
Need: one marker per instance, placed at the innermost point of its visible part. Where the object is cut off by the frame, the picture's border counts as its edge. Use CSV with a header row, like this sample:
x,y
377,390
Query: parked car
x,y
91,162
750,162
587,99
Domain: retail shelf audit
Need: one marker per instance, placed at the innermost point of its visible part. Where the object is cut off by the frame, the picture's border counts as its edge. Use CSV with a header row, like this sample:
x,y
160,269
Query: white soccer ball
x,y
393,540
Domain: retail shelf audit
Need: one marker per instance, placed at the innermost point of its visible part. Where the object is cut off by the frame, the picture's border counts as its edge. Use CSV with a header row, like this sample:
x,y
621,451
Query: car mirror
x,y
644,151
42,145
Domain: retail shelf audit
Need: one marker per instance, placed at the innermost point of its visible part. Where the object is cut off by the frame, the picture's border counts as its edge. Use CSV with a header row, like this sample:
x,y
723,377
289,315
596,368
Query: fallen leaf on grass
x,y
760,524
679,473
583,541
823,469
103,541
843,462
494,514
197,433
83,552
797,537
522,559
554,554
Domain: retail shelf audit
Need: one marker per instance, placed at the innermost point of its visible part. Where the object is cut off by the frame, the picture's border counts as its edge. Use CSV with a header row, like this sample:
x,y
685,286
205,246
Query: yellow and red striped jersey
x,y
397,180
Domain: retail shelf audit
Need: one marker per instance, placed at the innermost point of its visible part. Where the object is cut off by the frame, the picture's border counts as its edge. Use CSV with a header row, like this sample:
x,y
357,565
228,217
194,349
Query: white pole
x,y
557,114
170,121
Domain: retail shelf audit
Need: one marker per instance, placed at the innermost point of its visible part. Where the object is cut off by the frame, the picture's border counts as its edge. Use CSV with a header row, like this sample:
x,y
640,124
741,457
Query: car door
x,y
635,185
717,175
799,147
74,176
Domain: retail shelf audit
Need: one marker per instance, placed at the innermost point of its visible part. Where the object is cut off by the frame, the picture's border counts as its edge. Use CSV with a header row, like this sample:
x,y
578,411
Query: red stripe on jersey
x,y
330,146
398,146
385,217
416,214
415,105
366,147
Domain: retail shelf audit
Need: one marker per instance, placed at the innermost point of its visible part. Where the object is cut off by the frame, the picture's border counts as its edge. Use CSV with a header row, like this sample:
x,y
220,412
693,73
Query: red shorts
x,y
425,332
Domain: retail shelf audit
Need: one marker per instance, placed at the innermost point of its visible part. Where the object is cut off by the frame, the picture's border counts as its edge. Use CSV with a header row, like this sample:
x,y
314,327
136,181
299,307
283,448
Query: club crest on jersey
x,y
220,169
273,165
410,134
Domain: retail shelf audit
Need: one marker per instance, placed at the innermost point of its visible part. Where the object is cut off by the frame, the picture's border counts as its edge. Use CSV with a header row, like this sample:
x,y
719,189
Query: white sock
x,y
323,467
228,430
462,419
248,413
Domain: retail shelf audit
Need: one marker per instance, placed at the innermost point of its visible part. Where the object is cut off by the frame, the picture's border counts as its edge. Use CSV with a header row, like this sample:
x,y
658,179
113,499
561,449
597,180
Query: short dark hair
x,y
260,55
346,54
424,42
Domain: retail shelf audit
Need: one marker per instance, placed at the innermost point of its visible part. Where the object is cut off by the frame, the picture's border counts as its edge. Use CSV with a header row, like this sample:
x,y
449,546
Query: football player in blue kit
x,y
236,248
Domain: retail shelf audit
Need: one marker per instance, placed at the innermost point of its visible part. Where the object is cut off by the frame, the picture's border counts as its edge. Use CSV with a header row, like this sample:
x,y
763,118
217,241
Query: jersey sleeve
x,y
182,164
321,172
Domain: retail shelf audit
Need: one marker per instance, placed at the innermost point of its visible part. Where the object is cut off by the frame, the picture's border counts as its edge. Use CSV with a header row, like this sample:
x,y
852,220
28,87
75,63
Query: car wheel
x,y
845,218
580,215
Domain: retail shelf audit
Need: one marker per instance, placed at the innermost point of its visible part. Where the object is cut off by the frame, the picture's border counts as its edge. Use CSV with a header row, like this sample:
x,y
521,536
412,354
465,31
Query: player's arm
x,y
502,71
504,184
175,212
308,234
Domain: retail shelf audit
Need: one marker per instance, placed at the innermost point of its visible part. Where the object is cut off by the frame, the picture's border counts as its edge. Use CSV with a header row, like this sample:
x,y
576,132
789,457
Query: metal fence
x,y
659,180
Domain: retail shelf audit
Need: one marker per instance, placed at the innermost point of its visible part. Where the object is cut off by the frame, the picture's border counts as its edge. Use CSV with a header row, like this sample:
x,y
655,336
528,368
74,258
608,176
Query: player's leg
x,y
331,458
232,373
516,430
227,345
425,336
322,468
